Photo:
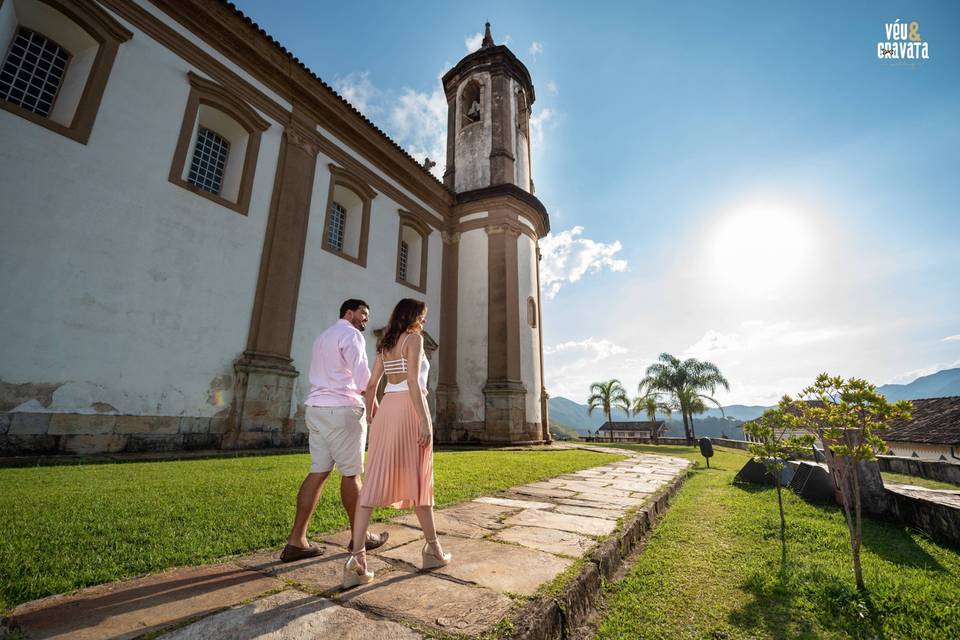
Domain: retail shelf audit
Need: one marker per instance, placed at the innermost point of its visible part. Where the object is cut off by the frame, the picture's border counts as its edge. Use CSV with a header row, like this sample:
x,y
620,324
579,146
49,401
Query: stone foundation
x,y
86,434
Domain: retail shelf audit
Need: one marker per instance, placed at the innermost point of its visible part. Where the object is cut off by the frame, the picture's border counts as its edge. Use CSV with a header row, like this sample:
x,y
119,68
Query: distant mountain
x,y
574,415
936,385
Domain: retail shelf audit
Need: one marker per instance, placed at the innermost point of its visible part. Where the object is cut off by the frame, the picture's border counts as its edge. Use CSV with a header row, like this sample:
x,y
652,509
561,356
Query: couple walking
x,y
342,394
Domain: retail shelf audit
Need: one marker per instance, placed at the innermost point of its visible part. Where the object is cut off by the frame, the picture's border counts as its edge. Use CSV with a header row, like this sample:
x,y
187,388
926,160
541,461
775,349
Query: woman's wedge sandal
x,y
431,558
355,573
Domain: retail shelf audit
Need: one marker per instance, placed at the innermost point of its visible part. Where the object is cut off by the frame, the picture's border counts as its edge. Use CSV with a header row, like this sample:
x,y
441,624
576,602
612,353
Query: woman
x,y
400,465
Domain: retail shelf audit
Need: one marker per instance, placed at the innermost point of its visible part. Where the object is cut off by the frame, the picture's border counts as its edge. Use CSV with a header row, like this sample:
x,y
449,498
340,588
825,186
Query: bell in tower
x,y
491,368
489,96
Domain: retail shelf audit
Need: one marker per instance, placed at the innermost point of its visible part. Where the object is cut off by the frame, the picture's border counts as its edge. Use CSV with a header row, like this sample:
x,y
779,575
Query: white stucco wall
x,y
472,305
327,280
474,142
529,336
120,287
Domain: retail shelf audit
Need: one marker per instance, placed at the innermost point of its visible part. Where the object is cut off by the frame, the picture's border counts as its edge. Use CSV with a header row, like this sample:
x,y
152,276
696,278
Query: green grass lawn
x,y
64,527
900,478
716,568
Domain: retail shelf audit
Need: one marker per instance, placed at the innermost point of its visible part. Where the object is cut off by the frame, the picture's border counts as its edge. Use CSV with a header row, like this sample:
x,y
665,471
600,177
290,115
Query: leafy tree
x,y
771,446
845,414
688,382
650,403
606,396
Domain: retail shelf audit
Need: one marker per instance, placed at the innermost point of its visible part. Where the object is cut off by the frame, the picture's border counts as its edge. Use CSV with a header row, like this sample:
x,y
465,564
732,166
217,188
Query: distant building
x,y
931,433
630,431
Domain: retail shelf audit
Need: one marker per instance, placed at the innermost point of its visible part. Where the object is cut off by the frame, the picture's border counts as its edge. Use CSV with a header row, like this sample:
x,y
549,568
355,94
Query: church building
x,y
185,205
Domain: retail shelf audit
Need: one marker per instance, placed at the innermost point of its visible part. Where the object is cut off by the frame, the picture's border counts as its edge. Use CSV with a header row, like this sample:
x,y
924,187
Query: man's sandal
x,y
373,542
291,553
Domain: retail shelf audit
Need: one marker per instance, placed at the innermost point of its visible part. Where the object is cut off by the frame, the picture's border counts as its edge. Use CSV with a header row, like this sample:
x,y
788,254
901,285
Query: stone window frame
x,y
418,226
208,93
343,178
462,111
523,113
109,34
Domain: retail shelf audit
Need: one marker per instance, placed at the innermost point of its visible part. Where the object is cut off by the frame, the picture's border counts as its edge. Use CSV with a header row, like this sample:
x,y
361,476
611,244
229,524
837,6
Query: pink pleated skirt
x,y
399,471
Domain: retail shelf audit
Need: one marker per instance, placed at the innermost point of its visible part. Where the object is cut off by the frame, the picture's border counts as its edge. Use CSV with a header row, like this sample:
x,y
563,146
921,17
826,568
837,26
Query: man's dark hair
x,y
352,305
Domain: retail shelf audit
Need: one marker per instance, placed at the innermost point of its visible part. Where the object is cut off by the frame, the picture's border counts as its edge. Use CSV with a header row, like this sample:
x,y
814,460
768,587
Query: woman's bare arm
x,y
413,351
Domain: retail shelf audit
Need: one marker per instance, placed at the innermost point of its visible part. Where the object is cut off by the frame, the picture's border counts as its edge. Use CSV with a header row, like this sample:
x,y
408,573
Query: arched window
x,y
347,219
412,252
58,58
532,312
216,154
523,114
471,104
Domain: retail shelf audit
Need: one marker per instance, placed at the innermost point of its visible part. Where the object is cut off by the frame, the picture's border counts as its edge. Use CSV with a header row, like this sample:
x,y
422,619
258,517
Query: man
x,y
338,429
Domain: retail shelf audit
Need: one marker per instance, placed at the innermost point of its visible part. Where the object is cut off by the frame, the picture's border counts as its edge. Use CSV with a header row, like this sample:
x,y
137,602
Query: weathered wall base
x,y
84,434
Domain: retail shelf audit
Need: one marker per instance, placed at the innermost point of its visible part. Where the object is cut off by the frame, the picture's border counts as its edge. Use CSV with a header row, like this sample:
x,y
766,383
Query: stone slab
x,y
134,607
549,540
398,535
292,615
431,600
448,525
323,574
609,514
563,522
538,492
488,516
504,568
616,501
520,504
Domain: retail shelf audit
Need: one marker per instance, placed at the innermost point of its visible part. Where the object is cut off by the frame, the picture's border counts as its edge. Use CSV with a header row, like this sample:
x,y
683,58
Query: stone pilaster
x,y
265,376
447,390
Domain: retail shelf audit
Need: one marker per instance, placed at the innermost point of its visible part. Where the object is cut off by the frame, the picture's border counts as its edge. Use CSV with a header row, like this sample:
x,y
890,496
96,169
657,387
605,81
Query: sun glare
x,y
760,251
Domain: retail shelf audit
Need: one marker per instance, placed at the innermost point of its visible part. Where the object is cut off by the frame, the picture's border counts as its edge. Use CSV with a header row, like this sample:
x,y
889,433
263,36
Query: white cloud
x,y
539,122
418,122
955,338
552,87
757,335
567,257
909,376
357,89
599,349
535,49
572,366
713,342
472,43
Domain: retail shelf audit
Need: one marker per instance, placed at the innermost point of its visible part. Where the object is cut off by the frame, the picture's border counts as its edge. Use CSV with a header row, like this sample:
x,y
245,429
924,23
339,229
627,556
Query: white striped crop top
x,y
398,366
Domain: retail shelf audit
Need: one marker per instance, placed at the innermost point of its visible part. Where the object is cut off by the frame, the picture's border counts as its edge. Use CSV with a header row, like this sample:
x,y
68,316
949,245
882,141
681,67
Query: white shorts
x,y
337,436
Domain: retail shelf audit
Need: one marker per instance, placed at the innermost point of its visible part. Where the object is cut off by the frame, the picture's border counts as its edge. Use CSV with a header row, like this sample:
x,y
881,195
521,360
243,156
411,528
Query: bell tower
x,y
491,368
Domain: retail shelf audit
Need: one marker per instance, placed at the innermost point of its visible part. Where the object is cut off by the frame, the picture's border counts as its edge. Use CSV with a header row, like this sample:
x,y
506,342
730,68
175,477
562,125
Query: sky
x,y
741,182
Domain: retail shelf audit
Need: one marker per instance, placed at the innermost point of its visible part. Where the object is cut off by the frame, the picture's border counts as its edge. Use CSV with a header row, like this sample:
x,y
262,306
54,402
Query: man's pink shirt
x,y
338,371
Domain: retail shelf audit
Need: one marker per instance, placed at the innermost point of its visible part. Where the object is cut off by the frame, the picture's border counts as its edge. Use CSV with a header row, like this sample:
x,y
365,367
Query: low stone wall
x,y
720,442
553,618
24,433
932,469
939,520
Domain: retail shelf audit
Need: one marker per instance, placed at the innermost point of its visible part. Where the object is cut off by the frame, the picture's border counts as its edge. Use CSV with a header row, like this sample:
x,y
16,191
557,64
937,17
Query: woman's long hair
x,y
407,312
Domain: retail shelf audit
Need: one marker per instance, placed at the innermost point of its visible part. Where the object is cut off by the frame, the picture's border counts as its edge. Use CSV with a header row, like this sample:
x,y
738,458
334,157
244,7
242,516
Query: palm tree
x,y
649,404
688,383
606,396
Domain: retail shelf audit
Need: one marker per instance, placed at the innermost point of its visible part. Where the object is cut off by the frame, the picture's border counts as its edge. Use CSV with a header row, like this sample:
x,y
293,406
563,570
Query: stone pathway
x,y
506,549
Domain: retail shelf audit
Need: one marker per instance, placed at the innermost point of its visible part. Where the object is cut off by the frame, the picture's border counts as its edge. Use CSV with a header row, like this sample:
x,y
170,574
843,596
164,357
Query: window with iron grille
x,y
404,256
33,71
338,221
209,159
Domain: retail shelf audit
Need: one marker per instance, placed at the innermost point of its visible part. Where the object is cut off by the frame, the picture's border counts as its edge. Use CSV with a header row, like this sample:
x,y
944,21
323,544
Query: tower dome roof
x,y
489,57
